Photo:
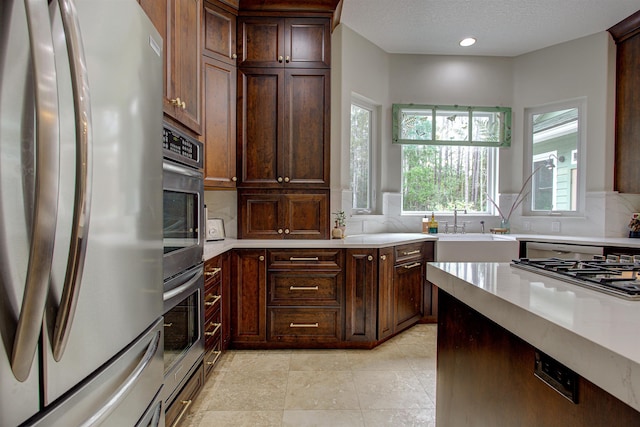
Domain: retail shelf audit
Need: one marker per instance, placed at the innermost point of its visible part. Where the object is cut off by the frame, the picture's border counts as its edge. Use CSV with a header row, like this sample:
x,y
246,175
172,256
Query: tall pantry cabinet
x,y
283,126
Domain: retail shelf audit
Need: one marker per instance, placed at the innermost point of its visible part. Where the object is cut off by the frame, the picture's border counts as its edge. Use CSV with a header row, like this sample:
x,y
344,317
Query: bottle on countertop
x,y
433,224
425,225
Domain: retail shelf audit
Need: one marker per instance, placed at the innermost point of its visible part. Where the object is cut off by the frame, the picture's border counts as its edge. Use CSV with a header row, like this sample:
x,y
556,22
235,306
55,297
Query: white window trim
x,y
581,104
374,132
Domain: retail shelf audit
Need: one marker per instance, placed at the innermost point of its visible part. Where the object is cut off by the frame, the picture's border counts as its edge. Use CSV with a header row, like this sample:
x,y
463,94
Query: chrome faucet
x,y
455,218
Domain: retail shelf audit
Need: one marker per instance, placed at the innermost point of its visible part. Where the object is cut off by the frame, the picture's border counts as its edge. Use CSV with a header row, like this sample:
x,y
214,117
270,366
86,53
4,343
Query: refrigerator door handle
x,y
45,201
81,209
127,385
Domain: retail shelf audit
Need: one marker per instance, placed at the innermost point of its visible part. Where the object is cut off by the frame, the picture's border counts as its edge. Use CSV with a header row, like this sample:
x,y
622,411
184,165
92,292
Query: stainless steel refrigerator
x,y
80,214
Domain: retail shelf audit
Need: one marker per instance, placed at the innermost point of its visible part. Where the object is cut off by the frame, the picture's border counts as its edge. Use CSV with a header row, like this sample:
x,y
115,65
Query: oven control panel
x,y
181,147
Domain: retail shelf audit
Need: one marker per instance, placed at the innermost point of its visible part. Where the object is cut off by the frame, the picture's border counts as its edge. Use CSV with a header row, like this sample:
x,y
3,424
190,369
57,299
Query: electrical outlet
x,y
526,225
555,226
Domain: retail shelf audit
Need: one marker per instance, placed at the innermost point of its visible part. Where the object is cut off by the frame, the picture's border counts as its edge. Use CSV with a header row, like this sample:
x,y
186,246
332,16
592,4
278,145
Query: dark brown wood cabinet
x,y
219,124
627,154
304,296
284,127
361,294
486,377
283,215
219,76
219,26
178,22
284,42
408,285
177,411
248,296
386,295
217,309
283,115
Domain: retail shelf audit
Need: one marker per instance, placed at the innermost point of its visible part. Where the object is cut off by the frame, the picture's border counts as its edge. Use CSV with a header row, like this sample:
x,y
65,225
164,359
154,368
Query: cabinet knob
x,y
280,179
280,58
179,103
280,231
370,258
234,56
287,59
383,257
234,179
261,258
286,231
286,179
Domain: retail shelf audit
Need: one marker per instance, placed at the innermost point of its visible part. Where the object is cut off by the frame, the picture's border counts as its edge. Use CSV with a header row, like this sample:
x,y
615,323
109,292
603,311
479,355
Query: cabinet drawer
x,y
212,300
299,288
409,252
212,329
177,411
305,259
212,275
298,325
212,355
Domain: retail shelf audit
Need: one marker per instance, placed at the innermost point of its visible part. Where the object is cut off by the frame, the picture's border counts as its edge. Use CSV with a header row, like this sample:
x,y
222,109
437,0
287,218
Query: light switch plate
x,y
555,226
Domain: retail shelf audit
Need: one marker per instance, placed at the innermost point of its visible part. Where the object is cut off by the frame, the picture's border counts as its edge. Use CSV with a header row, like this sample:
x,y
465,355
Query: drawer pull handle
x,y
415,264
212,333
213,362
213,272
168,325
313,258
303,288
303,325
215,300
417,251
184,410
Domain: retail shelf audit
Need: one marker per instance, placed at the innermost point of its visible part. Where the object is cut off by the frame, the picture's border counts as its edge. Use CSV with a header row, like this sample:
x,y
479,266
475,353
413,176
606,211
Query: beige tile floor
x,y
390,385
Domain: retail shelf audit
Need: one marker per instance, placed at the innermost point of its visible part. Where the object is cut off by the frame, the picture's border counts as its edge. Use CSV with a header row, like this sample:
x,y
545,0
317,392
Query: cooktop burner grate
x,y
613,275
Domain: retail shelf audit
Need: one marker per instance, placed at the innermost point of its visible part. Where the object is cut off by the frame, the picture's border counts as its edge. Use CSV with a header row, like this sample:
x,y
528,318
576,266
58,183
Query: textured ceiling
x,y
502,27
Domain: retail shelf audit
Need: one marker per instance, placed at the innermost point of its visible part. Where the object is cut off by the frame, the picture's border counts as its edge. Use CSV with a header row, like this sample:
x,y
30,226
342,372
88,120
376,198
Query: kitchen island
x,y
494,321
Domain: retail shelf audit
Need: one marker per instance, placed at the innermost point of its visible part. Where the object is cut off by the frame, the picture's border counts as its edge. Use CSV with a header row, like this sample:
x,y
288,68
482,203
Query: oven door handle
x,y
184,287
175,168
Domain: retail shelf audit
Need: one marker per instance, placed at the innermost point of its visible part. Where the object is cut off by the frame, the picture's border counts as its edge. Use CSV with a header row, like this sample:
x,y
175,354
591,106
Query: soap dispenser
x,y
425,225
433,225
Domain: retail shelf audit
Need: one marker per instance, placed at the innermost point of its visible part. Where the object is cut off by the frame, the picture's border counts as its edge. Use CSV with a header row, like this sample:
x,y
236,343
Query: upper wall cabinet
x,y
284,42
178,21
219,33
627,37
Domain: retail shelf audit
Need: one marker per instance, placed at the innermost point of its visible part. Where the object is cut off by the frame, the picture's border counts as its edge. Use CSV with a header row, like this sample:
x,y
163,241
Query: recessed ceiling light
x,y
469,41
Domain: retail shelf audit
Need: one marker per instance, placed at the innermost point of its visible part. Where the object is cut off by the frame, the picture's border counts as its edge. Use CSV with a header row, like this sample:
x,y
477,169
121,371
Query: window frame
x,y
581,105
374,113
505,131
491,190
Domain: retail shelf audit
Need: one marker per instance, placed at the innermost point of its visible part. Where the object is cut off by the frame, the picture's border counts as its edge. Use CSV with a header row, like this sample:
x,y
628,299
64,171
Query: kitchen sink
x,y
476,247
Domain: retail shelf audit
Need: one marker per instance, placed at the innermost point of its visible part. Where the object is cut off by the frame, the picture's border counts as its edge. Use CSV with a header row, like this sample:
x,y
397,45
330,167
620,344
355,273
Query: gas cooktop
x,y
612,275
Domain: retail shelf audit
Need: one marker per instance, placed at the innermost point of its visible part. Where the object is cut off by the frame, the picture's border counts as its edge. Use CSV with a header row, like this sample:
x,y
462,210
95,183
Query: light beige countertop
x,y
381,240
592,333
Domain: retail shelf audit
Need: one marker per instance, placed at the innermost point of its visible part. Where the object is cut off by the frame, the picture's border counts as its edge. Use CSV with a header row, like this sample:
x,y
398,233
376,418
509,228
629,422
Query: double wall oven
x,y
183,238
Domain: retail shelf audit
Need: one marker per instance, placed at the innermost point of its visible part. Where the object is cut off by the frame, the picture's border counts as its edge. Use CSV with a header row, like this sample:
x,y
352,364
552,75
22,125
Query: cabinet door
x,y
220,124
360,302
248,323
259,216
386,295
219,34
307,43
408,286
261,94
184,72
261,42
306,216
306,128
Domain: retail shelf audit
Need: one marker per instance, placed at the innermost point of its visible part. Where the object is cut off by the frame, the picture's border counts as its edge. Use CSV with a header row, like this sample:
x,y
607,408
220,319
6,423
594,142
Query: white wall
x,y
579,68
